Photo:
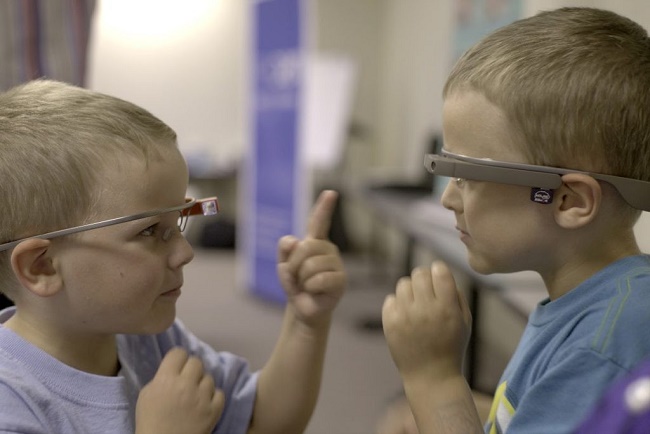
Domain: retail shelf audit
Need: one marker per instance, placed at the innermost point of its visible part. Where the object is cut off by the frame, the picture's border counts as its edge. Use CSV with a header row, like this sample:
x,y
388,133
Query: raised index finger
x,y
320,218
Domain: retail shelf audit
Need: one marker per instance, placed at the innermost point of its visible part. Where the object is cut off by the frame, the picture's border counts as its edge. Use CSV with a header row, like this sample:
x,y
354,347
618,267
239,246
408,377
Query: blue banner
x,y
274,173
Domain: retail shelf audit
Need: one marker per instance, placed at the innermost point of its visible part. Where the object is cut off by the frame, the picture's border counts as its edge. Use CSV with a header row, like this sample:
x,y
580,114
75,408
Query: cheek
x,y
506,241
115,278
136,278
118,296
490,230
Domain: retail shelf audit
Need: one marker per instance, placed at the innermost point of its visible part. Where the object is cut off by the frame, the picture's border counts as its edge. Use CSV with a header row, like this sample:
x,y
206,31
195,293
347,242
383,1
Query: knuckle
x,y
419,272
195,363
316,283
403,282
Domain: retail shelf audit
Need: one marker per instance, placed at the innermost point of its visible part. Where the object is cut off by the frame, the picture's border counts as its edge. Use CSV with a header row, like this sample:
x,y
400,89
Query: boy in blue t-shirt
x,y
547,136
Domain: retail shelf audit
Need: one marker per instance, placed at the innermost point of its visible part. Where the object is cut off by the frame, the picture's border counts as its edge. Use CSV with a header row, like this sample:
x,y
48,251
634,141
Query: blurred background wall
x,y
188,62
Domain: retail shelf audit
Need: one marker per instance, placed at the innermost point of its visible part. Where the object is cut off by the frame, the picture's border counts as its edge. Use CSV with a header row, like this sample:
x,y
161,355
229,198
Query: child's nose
x,y
182,252
451,197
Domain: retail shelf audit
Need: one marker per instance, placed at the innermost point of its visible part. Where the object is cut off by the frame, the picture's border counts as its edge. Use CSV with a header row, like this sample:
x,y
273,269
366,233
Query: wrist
x,y
432,372
309,325
434,388
444,406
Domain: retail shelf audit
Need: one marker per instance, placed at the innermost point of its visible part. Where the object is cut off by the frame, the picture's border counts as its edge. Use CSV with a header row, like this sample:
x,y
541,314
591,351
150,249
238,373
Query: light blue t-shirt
x,y
572,349
39,394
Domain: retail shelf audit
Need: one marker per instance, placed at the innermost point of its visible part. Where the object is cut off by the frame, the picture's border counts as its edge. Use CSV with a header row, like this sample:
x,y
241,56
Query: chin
x,y
483,266
158,324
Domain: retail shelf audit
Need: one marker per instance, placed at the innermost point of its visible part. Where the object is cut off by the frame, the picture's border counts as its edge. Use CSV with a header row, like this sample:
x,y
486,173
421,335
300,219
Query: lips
x,y
175,293
463,235
172,292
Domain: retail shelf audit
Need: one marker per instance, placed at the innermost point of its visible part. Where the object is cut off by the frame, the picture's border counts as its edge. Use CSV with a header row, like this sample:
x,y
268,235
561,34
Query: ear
x,y
577,201
34,269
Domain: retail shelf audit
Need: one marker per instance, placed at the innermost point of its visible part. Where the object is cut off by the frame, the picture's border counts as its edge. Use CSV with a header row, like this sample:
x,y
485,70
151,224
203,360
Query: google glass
x,y
207,206
541,179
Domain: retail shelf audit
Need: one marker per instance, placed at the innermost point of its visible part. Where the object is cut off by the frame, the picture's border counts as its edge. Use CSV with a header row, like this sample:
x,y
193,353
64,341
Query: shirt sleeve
x,y
561,398
16,416
625,408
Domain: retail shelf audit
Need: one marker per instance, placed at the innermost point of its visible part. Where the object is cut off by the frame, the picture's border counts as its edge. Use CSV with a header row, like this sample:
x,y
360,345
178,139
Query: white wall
x,y
184,61
414,61
403,55
416,58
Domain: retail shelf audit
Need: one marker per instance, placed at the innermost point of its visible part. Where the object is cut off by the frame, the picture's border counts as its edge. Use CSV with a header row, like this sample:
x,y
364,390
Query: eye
x,y
165,228
150,231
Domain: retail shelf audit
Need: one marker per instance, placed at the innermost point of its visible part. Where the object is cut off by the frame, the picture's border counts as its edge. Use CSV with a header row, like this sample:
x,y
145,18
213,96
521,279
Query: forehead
x,y
474,126
136,185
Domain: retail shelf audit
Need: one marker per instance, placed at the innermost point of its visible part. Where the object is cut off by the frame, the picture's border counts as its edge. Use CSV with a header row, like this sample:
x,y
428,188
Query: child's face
x,y
126,278
501,228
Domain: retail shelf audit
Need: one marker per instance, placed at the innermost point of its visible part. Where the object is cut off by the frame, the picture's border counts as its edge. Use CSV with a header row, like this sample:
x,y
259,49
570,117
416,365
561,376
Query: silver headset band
x,y
634,191
209,206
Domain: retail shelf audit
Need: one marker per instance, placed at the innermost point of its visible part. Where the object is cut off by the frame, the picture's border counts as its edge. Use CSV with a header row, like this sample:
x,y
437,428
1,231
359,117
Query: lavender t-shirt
x,y
39,394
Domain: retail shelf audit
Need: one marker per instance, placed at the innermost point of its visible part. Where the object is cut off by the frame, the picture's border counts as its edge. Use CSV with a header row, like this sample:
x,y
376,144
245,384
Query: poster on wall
x,y
273,176
473,20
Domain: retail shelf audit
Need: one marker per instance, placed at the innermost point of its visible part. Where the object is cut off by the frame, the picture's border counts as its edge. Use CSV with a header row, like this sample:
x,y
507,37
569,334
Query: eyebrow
x,y
634,191
144,221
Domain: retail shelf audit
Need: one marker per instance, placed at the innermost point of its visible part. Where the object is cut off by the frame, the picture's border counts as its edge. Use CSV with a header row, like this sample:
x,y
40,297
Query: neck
x,y
584,259
94,354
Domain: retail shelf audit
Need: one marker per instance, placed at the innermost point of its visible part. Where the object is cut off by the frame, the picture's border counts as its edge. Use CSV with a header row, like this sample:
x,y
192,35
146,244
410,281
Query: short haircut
x,y
56,140
574,84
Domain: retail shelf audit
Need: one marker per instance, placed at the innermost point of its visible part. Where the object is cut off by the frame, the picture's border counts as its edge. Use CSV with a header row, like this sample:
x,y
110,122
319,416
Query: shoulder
x,y
612,316
606,317
632,273
623,297
18,417
618,294
22,403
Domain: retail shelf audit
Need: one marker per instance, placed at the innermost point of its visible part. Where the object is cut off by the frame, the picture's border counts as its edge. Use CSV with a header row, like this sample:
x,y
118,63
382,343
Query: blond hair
x,y
55,141
574,84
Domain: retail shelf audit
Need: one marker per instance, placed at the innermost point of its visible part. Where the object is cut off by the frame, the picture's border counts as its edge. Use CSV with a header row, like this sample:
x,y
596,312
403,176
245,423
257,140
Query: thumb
x,y
286,245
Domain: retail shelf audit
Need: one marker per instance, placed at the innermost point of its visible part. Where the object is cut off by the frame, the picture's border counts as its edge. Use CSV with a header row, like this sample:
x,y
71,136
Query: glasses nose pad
x,y
182,221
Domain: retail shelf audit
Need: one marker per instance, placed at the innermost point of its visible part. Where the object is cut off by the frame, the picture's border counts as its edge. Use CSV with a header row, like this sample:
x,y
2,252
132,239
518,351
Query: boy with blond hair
x,y
92,255
547,136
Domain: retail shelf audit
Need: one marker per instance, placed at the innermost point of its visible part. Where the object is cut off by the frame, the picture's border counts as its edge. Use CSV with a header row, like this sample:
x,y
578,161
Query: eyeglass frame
x,y
192,206
634,191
